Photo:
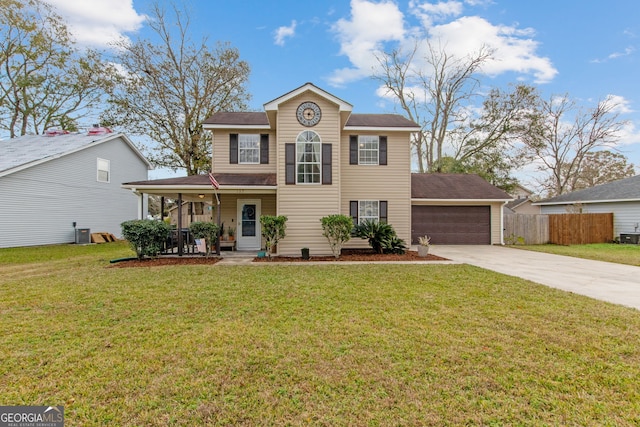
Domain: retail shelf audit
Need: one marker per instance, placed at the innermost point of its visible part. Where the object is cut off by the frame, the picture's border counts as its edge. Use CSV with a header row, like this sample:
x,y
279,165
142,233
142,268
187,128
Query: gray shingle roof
x,y
624,189
224,179
238,118
355,120
454,187
21,151
379,120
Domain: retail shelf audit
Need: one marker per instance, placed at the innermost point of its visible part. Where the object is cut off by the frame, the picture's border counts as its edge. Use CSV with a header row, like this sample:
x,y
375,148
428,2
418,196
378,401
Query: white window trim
x,y
365,217
361,150
99,169
319,159
257,149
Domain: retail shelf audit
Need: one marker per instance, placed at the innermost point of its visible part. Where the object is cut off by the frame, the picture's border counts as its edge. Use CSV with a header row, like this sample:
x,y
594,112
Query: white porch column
x,y
140,203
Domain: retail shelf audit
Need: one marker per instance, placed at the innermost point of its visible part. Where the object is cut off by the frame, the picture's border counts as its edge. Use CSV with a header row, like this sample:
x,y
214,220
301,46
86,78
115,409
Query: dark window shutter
x,y
353,149
382,150
326,164
290,163
353,210
383,211
233,148
264,149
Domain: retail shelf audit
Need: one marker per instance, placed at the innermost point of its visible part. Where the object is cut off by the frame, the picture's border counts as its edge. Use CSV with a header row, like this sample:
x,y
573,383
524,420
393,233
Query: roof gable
x,y
30,150
308,87
448,186
625,189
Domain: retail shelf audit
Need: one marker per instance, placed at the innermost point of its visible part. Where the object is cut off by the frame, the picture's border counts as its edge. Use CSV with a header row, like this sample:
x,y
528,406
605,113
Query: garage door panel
x,y
452,225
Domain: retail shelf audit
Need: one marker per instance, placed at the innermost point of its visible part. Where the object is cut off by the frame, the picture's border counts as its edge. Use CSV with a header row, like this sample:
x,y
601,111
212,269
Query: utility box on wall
x,y
83,235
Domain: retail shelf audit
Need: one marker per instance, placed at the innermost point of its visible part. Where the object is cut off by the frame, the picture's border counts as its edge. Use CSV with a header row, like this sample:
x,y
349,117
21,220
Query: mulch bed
x,y
359,255
347,255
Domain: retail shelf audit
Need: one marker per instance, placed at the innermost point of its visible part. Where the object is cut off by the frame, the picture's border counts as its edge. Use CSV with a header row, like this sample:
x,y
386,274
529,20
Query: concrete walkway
x,y
616,283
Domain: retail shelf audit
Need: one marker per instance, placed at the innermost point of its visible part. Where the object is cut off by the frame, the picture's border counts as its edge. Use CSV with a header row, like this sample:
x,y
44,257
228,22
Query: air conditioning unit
x,y
631,238
83,236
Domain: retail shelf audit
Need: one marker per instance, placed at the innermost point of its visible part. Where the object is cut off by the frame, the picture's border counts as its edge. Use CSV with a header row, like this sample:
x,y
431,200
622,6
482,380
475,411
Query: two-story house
x,y
306,156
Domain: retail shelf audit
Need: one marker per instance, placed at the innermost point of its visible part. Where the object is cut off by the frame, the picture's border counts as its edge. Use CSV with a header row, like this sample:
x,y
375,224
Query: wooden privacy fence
x,y
580,229
526,229
559,229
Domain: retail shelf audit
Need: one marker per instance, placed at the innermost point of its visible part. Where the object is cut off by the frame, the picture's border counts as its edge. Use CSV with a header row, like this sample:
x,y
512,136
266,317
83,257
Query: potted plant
x,y
423,245
231,232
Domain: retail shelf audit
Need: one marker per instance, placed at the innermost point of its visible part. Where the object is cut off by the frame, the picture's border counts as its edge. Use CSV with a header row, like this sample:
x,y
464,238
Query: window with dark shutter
x,y
382,159
264,149
290,163
353,211
233,148
383,211
326,164
353,149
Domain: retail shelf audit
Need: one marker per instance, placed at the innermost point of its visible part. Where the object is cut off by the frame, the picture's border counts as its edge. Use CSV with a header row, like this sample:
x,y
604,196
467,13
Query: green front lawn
x,y
309,345
610,252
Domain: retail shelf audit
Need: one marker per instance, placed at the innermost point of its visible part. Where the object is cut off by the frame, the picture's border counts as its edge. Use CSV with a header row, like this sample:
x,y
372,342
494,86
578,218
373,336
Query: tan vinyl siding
x,y
390,182
305,204
221,153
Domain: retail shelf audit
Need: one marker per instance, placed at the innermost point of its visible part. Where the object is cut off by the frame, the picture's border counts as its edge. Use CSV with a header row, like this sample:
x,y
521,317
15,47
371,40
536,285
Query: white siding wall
x,y
625,214
41,203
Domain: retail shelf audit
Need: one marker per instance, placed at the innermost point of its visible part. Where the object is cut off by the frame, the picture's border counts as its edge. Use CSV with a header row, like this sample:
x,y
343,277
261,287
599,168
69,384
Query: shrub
x,y
337,229
273,229
205,230
146,236
382,237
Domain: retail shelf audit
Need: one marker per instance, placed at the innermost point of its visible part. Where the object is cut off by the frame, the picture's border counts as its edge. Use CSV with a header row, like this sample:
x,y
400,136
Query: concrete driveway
x,y
616,283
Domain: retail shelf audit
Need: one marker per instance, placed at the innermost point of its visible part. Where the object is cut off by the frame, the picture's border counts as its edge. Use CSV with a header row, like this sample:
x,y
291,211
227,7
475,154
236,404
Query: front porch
x,y
236,206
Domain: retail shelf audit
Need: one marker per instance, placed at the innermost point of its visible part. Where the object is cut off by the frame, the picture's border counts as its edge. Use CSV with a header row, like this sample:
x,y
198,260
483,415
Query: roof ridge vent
x,y
99,130
55,132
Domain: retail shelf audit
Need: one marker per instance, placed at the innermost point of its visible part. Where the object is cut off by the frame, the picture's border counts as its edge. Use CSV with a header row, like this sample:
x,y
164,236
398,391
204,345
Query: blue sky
x,y
587,49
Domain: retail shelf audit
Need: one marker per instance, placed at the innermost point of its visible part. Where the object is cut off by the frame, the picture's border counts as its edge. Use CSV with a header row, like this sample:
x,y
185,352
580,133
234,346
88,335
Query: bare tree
x,y
599,167
563,135
45,80
433,95
168,90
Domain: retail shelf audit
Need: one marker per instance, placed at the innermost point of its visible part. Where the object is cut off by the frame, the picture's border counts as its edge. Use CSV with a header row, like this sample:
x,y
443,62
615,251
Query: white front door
x,y
248,234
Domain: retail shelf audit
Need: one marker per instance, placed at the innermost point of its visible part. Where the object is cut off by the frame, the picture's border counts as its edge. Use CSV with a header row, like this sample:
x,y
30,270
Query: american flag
x,y
213,181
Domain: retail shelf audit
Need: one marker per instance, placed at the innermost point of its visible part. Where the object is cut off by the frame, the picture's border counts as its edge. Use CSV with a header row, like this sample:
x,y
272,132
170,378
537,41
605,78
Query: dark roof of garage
x,y
453,186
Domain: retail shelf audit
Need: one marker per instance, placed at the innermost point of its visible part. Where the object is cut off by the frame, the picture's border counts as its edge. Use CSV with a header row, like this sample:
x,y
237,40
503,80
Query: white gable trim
x,y
585,202
342,105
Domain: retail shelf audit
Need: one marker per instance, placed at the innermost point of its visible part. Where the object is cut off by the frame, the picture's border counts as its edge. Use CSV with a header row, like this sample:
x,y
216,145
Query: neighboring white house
x,y
622,198
53,184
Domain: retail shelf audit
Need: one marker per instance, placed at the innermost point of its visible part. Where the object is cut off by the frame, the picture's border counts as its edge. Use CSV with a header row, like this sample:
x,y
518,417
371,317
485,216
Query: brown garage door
x,y
452,225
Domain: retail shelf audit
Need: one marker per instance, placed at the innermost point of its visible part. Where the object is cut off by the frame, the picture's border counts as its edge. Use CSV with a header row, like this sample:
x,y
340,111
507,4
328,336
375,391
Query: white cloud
x,y
620,104
374,27
429,12
514,49
283,32
362,36
97,23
